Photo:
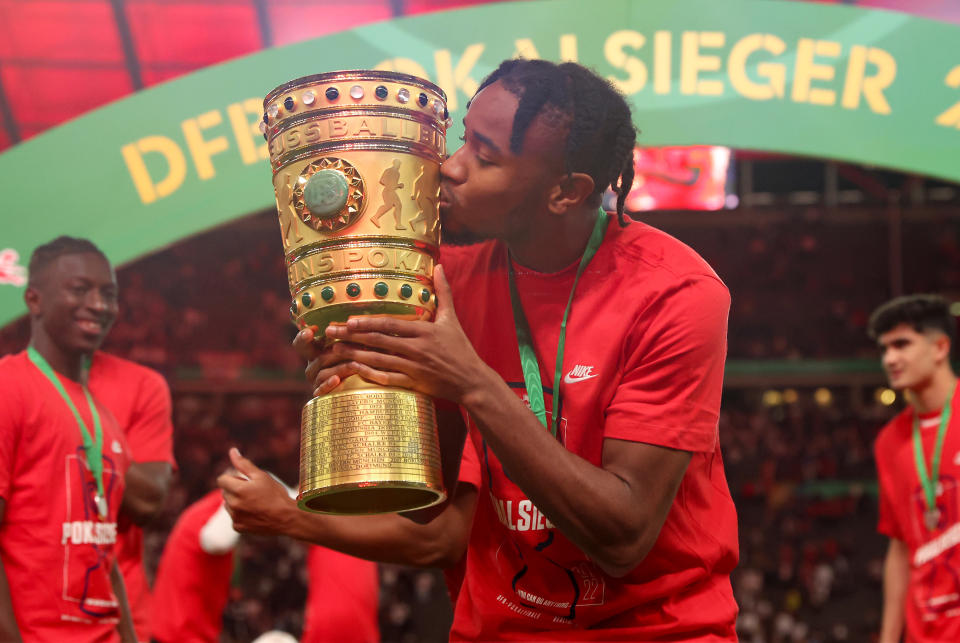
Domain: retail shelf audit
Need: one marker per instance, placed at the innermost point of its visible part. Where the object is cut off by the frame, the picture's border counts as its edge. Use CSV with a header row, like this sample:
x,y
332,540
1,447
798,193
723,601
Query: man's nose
x,y
98,301
453,169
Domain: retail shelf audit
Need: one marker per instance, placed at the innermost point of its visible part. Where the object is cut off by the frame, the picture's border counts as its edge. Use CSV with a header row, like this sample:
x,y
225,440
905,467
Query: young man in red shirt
x,y
62,460
918,466
605,516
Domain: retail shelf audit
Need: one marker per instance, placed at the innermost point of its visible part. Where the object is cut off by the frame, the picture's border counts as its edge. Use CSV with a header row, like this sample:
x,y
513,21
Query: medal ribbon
x,y
528,357
929,481
92,447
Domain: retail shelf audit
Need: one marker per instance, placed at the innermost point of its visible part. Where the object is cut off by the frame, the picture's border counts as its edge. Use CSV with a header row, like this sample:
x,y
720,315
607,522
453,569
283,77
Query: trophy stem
x,y
369,450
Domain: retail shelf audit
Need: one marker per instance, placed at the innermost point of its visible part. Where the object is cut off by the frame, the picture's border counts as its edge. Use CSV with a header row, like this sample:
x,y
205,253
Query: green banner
x,y
867,86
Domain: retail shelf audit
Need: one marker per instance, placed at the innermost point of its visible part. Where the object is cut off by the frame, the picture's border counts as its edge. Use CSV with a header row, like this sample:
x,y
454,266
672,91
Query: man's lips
x,y
91,326
446,199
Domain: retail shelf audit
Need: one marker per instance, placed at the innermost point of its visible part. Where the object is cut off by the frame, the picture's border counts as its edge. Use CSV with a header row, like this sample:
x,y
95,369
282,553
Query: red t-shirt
x,y
342,599
646,342
192,586
56,551
139,399
933,589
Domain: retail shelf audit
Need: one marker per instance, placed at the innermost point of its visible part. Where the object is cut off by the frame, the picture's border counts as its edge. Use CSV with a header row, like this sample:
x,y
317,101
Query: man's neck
x,y
67,364
933,395
556,244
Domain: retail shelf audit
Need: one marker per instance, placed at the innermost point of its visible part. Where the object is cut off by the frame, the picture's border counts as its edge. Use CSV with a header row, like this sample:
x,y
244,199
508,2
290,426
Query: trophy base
x,y
369,450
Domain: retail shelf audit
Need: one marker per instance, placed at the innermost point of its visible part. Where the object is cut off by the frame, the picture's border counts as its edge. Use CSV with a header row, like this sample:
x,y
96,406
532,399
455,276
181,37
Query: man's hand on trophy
x,y
325,370
256,502
434,358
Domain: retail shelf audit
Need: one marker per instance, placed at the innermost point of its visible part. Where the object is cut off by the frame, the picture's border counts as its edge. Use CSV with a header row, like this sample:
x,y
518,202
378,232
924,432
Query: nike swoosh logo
x,y
570,379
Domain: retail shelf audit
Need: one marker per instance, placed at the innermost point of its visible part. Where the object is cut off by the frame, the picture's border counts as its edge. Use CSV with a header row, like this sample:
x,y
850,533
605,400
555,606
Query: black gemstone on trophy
x,y
332,93
288,103
423,100
266,119
446,113
381,92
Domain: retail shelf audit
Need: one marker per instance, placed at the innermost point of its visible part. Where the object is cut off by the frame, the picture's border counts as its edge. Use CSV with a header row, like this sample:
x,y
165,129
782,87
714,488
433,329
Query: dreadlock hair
x,y
601,134
46,254
921,312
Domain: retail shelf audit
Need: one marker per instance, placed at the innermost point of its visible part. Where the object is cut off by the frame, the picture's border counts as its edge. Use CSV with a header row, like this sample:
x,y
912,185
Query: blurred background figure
x,y
342,598
193,579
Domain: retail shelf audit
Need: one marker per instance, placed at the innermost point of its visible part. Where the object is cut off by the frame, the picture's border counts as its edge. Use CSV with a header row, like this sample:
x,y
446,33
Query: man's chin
x,y
450,238
454,235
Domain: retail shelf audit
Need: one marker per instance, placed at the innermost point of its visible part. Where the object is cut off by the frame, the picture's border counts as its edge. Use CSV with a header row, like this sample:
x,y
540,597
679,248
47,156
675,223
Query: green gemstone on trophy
x,y
406,291
327,293
425,295
381,289
307,299
326,193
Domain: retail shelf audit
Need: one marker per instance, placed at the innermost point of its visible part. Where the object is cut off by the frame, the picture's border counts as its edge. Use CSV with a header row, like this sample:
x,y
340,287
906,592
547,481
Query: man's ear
x,y
941,344
570,192
31,297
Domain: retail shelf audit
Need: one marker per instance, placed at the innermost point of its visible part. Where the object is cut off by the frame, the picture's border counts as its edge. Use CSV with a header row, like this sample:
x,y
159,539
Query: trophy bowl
x,y
356,172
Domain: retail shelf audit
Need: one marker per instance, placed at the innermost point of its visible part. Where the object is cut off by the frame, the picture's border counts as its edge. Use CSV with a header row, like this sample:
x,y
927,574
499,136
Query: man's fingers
x,y
386,342
327,385
444,296
230,484
384,378
390,326
375,359
329,378
305,345
242,465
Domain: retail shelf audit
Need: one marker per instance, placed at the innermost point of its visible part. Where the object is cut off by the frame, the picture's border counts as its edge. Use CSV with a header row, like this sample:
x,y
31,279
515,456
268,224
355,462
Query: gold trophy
x,y
356,170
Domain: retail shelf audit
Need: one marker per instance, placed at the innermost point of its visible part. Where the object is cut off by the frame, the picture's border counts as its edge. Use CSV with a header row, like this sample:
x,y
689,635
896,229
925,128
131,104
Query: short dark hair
x,y
46,254
602,135
922,312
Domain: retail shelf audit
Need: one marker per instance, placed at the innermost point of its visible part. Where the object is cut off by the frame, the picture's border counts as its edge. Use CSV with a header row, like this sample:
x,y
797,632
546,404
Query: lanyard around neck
x,y
528,357
929,481
92,447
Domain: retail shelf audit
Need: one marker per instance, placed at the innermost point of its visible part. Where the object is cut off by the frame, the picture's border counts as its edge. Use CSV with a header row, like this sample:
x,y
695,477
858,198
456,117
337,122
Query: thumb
x,y
244,467
444,294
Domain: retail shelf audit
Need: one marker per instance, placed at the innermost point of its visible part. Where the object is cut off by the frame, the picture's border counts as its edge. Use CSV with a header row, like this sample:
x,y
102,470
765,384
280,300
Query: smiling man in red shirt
x,y
63,460
597,507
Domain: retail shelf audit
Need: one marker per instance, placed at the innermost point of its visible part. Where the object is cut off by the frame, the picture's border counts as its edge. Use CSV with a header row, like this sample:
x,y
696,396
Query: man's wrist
x,y
478,395
297,524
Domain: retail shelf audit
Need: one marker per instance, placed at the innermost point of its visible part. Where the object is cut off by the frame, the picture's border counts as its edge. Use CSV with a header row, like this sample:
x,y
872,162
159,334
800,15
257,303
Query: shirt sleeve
x,y
11,419
150,433
669,394
470,465
217,536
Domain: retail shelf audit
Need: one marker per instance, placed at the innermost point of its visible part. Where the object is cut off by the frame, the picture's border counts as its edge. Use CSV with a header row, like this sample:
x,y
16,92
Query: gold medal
x,y
931,518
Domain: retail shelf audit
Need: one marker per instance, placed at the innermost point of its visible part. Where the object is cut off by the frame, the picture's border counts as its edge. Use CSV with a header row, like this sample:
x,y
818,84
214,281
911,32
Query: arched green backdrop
x,y
867,86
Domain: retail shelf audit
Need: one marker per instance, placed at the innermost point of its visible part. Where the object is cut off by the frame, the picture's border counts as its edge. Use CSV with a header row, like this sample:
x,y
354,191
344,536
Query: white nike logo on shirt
x,y
579,373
